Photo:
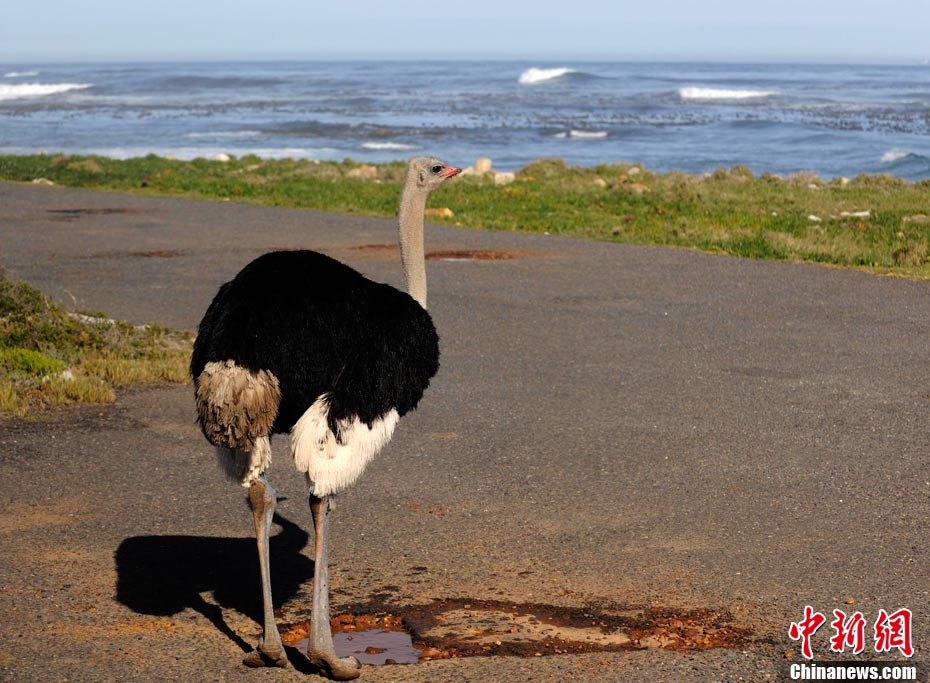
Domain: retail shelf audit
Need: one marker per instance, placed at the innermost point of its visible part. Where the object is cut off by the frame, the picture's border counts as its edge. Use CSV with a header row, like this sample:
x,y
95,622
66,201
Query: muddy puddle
x,y
375,639
472,255
392,250
386,634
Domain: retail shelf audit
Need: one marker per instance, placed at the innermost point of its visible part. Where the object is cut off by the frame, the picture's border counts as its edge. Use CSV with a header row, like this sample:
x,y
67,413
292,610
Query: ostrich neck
x,y
410,217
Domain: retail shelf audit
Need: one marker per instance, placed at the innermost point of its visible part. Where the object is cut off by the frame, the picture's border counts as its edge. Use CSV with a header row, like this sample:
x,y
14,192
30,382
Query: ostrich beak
x,y
450,171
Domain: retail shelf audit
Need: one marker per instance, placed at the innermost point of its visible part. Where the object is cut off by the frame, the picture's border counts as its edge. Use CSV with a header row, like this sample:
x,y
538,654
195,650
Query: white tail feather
x,y
332,466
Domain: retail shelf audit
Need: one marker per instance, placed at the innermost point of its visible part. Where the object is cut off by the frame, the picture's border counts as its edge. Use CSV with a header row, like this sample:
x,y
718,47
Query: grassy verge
x,y
51,357
878,223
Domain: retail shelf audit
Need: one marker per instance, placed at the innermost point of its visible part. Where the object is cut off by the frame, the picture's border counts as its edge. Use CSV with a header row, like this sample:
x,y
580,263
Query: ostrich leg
x,y
270,651
320,649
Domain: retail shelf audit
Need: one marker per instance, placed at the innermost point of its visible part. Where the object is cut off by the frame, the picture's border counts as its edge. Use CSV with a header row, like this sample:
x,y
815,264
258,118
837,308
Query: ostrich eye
x,y
436,169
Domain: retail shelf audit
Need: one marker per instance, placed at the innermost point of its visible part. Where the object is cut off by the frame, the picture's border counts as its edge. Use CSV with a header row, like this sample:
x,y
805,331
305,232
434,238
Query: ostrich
x,y
299,342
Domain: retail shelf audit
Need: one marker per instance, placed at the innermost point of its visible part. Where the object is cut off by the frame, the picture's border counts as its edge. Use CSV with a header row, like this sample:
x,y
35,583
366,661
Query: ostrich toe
x,y
260,657
336,668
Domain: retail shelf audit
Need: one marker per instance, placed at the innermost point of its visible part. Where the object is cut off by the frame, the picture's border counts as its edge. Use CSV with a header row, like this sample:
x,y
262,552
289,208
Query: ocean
x,y
774,118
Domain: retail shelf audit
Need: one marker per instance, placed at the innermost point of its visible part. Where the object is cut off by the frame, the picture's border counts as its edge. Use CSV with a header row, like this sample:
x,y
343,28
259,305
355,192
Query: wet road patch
x,y
67,215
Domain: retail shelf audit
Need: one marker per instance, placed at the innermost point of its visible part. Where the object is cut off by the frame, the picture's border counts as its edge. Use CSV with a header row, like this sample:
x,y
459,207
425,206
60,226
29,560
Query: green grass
x,y
51,357
727,212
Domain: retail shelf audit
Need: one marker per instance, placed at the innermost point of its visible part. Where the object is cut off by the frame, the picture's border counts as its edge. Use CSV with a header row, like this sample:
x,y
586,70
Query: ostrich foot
x,y
336,668
262,656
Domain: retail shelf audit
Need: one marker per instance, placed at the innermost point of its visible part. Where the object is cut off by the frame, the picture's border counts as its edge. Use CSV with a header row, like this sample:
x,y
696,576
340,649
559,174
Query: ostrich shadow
x,y
163,575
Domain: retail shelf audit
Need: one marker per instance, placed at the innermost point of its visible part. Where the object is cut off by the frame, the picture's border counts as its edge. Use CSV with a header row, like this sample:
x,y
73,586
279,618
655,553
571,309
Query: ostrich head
x,y
428,173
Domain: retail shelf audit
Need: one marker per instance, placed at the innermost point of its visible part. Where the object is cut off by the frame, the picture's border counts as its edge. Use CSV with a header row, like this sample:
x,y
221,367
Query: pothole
x,y
148,253
469,628
447,254
472,255
74,214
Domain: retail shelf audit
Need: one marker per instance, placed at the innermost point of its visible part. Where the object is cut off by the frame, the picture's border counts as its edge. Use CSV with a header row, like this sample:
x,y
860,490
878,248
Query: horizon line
x,y
202,59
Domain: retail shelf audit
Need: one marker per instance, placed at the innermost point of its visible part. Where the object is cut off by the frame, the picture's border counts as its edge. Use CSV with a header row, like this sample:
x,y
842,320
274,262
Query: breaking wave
x,y
20,74
893,155
583,134
188,153
907,163
722,94
535,75
386,146
21,90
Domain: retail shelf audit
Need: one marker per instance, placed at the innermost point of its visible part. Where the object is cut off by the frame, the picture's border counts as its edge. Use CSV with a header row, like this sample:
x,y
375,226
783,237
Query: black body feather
x,y
321,327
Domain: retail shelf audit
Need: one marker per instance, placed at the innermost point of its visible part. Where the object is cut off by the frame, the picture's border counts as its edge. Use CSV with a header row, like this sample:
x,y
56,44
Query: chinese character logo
x,y
849,632
892,631
805,629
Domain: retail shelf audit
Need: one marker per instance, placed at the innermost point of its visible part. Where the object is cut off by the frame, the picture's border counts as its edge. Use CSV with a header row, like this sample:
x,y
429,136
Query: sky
x,y
858,31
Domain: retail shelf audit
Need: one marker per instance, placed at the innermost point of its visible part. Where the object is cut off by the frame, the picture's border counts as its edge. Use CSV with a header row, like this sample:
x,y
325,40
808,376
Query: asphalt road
x,y
613,428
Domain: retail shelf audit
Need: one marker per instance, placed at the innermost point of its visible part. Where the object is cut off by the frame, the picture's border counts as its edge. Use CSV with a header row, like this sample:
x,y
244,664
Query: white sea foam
x,y
20,74
534,75
587,134
21,90
722,94
893,155
583,134
188,153
386,145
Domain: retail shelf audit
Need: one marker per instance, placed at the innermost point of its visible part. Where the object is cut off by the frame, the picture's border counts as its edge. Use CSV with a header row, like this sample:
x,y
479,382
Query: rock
x,y
814,218
633,170
844,182
504,177
364,172
651,642
42,181
483,166
600,182
919,218
638,188
468,171
221,157
855,214
444,212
